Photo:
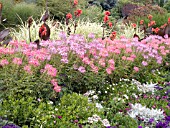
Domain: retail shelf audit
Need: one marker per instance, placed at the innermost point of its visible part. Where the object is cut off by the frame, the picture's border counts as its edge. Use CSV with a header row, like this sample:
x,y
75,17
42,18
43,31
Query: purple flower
x,y
158,87
11,126
80,126
169,104
111,127
139,126
76,121
59,117
151,120
167,118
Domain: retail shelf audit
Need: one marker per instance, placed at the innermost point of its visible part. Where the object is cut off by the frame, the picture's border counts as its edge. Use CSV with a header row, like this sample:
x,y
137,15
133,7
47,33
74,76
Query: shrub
x,y
144,11
19,111
24,111
124,121
94,13
22,10
59,8
167,6
76,107
156,18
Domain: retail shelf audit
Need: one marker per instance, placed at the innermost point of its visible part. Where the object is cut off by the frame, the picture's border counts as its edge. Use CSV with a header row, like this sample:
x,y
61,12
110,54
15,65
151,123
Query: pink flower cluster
x,y
55,84
51,71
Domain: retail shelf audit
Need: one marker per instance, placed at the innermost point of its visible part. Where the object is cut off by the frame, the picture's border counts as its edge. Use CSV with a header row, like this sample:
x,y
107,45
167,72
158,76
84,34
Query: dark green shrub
x,y
167,6
94,13
12,12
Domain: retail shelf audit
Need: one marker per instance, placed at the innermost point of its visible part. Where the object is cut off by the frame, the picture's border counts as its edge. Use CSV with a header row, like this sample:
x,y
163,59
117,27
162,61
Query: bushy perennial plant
x,y
113,58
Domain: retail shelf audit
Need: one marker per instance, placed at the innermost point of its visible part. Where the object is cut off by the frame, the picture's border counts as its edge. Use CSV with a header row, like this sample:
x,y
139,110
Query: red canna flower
x,y
110,24
152,23
43,30
75,2
107,13
134,25
163,26
157,30
150,17
169,20
78,12
113,35
106,18
69,16
141,22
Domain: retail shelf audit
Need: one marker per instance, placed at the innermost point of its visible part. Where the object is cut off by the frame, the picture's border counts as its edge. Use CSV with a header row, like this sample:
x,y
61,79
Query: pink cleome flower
x,y
81,69
4,62
136,69
17,61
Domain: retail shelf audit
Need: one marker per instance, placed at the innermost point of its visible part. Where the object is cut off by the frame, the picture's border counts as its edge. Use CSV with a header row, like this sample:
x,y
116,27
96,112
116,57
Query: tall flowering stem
x,y
30,20
69,16
0,12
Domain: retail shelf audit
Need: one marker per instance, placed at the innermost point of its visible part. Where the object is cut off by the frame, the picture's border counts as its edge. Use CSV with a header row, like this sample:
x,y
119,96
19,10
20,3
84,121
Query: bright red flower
x,y
152,23
156,30
141,22
69,16
150,17
114,33
75,2
110,24
134,25
169,20
163,26
107,13
106,18
78,12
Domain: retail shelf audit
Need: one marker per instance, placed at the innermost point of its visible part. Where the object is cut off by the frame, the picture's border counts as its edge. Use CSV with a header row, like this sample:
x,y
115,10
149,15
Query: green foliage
x,y
94,13
20,111
76,107
167,6
12,12
124,121
25,111
156,18
59,8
